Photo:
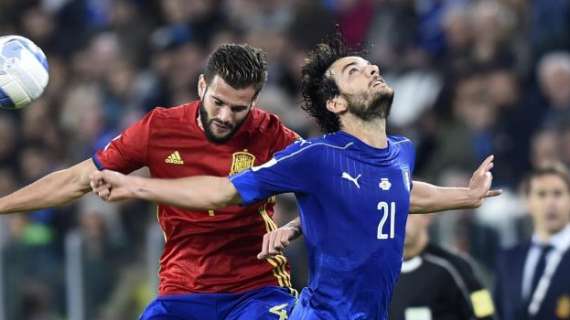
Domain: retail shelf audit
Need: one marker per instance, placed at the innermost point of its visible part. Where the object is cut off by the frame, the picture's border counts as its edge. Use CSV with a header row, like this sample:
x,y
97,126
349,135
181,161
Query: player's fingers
x,y
95,176
493,193
488,180
280,242
272,242
97,187
482,168
264,247
103,193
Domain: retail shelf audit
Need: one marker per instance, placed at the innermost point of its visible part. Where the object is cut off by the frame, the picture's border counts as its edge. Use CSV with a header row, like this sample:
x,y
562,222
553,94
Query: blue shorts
x,y
271,303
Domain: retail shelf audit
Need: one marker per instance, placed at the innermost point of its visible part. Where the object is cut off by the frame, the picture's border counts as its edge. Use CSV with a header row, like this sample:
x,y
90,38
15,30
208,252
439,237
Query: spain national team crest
x,y
241,161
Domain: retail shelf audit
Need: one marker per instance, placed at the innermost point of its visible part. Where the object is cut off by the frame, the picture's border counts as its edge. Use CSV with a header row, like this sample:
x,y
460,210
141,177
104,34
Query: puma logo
x,y
347,176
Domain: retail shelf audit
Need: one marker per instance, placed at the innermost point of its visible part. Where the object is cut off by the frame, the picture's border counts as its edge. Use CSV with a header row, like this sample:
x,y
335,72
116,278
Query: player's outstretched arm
x,y
275,241
427,198
202,192
55,189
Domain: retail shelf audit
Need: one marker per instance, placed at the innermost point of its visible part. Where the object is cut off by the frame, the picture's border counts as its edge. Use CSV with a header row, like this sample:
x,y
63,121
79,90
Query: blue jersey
x,y
354,201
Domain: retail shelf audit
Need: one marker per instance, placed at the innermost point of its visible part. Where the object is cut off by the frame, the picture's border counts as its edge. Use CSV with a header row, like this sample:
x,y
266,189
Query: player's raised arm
x,y
427,198
281,174
55,189
202,192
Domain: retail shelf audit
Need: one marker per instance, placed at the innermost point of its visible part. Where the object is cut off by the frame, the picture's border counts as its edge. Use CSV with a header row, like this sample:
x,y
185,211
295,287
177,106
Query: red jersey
x,y
205,251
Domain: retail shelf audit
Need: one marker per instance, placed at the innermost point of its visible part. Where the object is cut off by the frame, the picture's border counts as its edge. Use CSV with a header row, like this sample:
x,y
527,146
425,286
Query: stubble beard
x,y
207,126
378,106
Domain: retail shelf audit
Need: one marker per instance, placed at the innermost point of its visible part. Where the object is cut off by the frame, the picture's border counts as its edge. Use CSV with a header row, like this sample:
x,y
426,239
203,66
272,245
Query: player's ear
x,y
337,105
202,86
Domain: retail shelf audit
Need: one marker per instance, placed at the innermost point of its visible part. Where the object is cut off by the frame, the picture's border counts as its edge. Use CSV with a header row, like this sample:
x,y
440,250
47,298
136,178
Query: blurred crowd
x,y
472,78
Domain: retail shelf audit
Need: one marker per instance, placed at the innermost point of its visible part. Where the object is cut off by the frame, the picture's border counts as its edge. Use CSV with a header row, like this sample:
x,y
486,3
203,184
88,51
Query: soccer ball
x,y
23,72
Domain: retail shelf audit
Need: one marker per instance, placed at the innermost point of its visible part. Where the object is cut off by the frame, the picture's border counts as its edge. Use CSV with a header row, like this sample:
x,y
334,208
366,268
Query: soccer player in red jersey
x,y
208,268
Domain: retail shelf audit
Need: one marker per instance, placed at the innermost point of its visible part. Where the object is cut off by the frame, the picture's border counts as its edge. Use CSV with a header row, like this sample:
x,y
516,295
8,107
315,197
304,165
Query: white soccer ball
x,y
23,72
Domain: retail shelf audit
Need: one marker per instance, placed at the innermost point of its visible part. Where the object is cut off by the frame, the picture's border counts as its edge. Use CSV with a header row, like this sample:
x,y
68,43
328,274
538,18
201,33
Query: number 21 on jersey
x,y
388,212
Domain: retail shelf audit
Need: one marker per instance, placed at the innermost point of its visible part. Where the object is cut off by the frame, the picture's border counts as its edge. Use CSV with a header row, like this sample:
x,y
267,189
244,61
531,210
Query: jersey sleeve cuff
x,y
245,186
98,162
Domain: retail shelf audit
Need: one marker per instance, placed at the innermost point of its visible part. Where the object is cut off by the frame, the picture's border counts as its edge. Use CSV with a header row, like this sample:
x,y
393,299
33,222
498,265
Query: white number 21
x,y
388,212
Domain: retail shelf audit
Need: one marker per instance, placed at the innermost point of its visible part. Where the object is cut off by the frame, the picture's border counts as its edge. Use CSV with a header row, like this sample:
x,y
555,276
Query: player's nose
x,y
373,70
225,114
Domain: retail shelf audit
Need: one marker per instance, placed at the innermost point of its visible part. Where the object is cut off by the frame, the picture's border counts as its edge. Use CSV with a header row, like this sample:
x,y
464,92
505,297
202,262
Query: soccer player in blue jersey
x,y
353,186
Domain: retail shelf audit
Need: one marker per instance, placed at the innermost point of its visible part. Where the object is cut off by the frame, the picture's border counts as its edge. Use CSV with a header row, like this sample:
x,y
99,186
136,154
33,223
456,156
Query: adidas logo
x,y
174,158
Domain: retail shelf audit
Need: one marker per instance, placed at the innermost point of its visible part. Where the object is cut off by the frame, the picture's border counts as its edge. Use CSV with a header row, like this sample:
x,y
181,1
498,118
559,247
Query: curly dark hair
x,y
240,65
316,87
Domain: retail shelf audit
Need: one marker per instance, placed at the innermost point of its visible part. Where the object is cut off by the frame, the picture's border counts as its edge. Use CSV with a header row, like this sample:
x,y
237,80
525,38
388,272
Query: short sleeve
x,y
288,171
410,154
128,151
284,137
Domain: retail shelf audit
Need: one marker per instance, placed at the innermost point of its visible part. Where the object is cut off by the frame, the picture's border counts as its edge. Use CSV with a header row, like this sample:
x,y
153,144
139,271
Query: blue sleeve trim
x,y
97,162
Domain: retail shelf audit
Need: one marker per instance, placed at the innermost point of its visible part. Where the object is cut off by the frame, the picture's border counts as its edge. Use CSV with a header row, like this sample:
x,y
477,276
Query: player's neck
x,y
372,132
199,122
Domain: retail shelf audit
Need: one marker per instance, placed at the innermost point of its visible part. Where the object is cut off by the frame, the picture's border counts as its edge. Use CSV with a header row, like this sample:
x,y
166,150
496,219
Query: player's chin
x,y
220,136
384,90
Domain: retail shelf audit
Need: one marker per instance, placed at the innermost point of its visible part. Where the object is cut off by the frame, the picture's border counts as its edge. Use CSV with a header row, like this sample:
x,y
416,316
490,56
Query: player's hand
x,y
275,241
480,183
110,185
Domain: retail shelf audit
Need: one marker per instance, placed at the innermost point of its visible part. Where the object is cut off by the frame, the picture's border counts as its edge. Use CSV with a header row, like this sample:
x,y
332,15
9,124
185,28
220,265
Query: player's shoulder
x,y
175,113
400,141
266,122
312,146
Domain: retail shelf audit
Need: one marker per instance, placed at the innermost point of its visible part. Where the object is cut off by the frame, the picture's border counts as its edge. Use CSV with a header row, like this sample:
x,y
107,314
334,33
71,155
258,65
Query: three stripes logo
x,y
174,158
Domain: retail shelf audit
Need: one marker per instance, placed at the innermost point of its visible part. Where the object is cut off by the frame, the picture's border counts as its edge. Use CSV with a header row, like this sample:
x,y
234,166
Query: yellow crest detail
x,y
241,161
563,307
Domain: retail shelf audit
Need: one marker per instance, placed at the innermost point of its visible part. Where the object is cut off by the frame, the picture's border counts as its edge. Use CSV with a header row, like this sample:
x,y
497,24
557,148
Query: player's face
x,y
223,108
361,85
549,203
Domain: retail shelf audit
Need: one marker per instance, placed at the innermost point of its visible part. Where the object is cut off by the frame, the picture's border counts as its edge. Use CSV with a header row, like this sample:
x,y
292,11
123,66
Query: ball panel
x,y
5,100
17,94
36,51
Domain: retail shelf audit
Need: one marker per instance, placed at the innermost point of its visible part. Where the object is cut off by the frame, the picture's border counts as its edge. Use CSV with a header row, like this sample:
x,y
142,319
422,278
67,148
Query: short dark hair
x,y
240,65
317,87
556,169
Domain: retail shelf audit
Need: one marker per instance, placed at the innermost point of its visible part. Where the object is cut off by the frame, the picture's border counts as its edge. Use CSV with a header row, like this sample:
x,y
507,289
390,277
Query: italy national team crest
x,y
241,161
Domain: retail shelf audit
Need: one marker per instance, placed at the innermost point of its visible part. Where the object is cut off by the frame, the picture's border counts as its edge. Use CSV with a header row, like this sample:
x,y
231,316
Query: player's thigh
x,y
266,304
161,309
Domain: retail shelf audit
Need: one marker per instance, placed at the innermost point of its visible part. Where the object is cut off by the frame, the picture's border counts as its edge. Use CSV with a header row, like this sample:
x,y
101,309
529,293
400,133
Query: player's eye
x,y
239,109
218,103
351,71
